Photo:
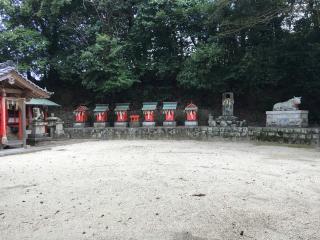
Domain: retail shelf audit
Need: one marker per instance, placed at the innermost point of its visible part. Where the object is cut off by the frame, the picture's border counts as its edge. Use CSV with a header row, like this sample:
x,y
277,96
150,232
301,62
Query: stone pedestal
x,y
169,124
191,123
121,124
134,124
101,124
226,121
148,124
298,118
38,129
80,125
38,132
59,128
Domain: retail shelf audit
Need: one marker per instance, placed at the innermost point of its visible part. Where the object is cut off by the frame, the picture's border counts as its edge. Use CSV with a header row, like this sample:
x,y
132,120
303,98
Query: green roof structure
x,y
101,108
191,107
149,106
170,105
41,102
122,107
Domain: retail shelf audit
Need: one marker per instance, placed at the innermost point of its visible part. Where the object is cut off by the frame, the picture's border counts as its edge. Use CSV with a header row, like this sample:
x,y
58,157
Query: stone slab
x,y
80,125
134,124
121,124
191,123
101,124
297,118
169,124
148,124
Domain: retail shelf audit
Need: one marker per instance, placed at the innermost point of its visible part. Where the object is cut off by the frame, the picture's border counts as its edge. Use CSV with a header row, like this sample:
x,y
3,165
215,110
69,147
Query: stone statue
x,y
227,104
37,114
290,105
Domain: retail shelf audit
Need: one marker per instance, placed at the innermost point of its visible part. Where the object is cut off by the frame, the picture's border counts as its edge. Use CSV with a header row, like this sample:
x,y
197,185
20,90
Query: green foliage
x,y
103,68
26,47
169,49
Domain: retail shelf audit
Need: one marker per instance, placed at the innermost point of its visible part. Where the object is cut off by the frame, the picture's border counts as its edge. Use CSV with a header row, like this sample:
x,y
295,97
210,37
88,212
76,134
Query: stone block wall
x,y
303,136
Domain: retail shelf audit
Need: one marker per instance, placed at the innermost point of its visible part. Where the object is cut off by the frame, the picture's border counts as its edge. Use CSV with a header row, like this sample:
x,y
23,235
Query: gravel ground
x,y
175,190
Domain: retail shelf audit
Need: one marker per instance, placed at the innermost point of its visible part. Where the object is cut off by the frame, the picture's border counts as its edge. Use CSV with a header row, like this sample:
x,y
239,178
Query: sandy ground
x,y
175,190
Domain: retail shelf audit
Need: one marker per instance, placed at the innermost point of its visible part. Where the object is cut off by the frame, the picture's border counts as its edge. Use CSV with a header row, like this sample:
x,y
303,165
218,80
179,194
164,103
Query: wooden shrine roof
x,y
122,107
81,108
170,105
149,106
191,107
11,79
101,108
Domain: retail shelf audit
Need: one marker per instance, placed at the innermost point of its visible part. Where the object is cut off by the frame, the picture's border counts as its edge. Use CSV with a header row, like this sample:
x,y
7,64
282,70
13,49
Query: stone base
x,y
191,123
33,140
134,124
169,124
121,124
148,124
38,129
227,121
101,124
80,125
297,118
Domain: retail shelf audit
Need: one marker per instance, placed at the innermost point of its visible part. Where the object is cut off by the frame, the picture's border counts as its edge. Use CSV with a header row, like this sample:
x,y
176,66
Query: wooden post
x,y
20,132
4,114
23,116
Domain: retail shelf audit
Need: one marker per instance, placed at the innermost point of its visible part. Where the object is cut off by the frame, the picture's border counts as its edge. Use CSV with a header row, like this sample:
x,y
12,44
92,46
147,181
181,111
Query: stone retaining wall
x,y
304,136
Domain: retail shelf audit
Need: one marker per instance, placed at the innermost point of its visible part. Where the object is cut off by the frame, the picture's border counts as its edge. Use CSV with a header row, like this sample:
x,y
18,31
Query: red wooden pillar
x,y
3,127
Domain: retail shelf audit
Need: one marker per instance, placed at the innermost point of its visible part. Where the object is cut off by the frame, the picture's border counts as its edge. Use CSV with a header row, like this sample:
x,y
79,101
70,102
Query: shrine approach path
x,y
175,190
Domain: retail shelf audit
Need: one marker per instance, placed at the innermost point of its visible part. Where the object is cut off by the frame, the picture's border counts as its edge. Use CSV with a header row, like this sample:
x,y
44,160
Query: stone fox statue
x,y
290,105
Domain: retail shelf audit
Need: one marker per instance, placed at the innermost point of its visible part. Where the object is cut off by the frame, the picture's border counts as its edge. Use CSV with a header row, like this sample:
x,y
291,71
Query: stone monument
x,y
38,124
287,114
38,130
227,119
55,126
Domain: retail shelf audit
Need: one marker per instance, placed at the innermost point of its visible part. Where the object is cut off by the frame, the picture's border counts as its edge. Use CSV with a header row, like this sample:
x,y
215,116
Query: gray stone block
x,y
80,125
191,123
121,124
169,124
134,124
148,124
297,118
101,124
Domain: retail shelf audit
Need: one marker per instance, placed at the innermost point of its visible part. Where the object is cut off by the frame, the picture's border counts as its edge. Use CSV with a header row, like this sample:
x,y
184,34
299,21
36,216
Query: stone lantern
x,y
101,116
191,115
121,111
169,110
55,126
148,110
81,117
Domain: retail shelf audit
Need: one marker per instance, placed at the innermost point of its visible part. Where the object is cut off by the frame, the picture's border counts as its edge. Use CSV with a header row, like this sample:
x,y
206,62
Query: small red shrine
x,y
169,110
15,90
101,115
121,112
191,111
148,110
81,115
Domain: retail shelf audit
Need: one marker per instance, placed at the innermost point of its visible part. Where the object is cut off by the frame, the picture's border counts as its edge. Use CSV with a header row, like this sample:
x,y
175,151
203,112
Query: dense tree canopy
x,y
263,50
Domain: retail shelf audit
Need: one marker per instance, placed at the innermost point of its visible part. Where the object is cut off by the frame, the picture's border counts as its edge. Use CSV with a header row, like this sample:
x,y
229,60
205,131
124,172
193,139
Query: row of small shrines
x,y
124,119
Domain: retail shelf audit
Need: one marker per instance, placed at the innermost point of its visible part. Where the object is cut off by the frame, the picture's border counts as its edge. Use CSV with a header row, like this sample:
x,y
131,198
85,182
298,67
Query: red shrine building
x,y
15,90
